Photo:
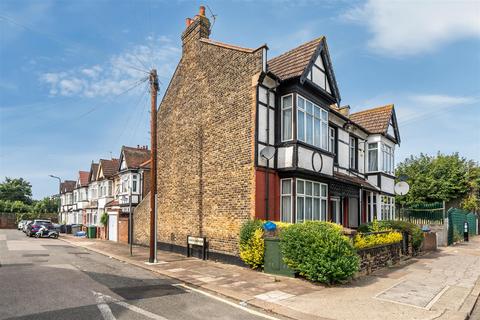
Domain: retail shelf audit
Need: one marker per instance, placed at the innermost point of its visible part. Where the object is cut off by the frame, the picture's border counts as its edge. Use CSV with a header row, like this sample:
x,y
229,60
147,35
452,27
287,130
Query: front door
x,y
112,227
335,210
353,212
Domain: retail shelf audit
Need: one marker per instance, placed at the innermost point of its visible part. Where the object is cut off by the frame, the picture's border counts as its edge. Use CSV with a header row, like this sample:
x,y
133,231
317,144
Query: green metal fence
x,y
456,222
425,213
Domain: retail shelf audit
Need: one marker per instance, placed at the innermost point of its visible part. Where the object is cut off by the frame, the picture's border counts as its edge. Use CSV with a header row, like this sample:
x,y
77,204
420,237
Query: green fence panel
x,y
456,222
472,224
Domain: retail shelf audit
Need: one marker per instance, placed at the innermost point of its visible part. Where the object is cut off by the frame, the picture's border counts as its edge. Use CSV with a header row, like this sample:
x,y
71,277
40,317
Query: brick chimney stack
x,y
196,28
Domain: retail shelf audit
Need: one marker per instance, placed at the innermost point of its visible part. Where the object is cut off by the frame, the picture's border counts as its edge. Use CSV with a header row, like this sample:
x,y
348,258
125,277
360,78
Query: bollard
x,y
465,231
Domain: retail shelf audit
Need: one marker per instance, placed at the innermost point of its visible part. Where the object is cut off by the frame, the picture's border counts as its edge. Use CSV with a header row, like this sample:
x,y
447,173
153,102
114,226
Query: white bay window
x,y
373,157
311,201
312,123
388,159
387,208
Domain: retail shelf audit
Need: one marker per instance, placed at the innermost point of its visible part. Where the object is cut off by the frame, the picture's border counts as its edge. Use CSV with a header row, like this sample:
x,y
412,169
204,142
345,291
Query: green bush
x,y
104,219
319,252
401,226
252,247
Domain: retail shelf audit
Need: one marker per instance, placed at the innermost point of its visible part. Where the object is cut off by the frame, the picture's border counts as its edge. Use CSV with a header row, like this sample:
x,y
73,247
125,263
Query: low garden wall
x,y
379,257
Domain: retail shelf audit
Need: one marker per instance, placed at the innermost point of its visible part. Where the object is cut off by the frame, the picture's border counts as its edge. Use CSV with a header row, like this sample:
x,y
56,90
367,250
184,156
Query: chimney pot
x,y
201,12
188,22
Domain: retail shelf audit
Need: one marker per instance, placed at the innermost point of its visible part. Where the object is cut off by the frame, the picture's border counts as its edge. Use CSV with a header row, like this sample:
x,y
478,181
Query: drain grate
x,y
145,292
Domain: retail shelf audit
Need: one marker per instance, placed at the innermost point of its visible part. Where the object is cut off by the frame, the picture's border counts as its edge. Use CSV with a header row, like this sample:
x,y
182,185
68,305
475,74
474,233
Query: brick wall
x,y
372,259
141,222
206,178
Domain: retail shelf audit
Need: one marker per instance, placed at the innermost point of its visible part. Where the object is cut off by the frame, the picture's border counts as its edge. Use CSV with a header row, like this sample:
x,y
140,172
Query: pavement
x,y
440,285
53,279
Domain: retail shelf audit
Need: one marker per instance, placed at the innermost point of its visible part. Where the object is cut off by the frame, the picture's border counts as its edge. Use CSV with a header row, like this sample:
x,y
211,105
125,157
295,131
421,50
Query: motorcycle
x,y
44,232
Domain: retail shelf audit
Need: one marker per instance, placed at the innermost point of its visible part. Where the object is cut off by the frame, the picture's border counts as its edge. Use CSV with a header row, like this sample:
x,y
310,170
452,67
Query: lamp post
x,y
59,192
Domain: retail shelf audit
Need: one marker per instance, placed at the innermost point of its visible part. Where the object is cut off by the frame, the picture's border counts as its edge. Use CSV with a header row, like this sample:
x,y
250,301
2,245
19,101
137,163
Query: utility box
x,y
273,263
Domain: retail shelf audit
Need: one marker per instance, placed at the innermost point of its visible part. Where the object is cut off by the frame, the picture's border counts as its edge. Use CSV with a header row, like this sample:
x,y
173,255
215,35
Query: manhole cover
x,y
144,292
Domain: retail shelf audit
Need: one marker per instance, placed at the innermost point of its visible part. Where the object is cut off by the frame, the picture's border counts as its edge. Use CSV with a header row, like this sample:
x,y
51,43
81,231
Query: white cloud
x,y
117,74
402,28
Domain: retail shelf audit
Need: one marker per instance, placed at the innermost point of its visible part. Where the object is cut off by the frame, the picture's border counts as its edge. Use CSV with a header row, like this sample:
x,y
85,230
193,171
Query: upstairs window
x,y
373,157
135,183
353,148
312,122
287,119
388,159
331,140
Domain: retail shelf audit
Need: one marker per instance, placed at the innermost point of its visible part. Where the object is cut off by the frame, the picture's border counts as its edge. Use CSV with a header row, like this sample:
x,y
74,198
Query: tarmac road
x,y
50,279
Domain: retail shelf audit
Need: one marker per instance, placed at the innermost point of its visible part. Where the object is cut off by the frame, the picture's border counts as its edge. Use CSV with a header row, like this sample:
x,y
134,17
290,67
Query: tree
x,y
438,178
16,190
46,205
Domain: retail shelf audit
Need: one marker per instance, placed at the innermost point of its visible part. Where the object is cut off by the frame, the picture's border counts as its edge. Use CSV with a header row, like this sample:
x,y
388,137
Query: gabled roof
x,y
92,175
67,186
108,167
134,157
377,120
293,63
82,179
298,62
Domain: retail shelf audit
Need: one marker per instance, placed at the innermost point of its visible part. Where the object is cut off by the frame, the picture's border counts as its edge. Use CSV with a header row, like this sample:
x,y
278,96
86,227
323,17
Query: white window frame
x,y
387,208
322,200
135,183
322,117
331,139
388,156
352,154
290,195
376,158
282,120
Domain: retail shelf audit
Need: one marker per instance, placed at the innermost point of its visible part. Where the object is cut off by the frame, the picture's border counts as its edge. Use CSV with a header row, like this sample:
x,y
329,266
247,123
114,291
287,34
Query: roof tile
x,y
375,120
292,63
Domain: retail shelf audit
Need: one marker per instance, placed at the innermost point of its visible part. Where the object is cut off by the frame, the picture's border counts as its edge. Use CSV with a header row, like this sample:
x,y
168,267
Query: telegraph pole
x,y
153,165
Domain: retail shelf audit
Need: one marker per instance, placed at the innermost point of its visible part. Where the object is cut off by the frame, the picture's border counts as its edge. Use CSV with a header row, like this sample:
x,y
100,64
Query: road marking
x,y
140,311
103,299
256,313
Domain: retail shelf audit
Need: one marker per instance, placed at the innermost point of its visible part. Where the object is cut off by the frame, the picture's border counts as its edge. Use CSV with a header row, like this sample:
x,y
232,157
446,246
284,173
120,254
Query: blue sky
x,y
66,68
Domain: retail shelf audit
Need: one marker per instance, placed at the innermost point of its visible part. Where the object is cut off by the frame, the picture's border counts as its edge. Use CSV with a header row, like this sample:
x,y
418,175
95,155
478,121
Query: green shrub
x,y
104,219
252,247
319,252
401,226
362,241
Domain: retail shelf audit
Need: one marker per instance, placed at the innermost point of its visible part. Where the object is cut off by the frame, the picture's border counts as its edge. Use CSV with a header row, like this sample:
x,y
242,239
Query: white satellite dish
x,y
267,152
402,188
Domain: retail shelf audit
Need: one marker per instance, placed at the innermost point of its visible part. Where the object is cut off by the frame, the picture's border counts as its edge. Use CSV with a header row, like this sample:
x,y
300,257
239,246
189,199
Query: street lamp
x,y
59,192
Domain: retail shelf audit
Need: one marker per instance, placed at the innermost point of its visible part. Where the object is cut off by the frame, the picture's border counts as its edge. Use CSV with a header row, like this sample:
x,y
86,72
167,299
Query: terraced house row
x,y
112,186
242,136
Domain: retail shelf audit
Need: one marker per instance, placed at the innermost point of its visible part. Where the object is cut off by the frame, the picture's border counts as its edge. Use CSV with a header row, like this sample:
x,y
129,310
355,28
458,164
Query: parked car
x,y
33,227
25,225
20,225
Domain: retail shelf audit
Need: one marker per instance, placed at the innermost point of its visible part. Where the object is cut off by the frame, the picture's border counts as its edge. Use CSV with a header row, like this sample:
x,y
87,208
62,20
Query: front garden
x,y
325,252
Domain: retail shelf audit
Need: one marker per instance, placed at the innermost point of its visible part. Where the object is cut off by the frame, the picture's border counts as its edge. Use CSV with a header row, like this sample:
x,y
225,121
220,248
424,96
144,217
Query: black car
x,y
33,227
